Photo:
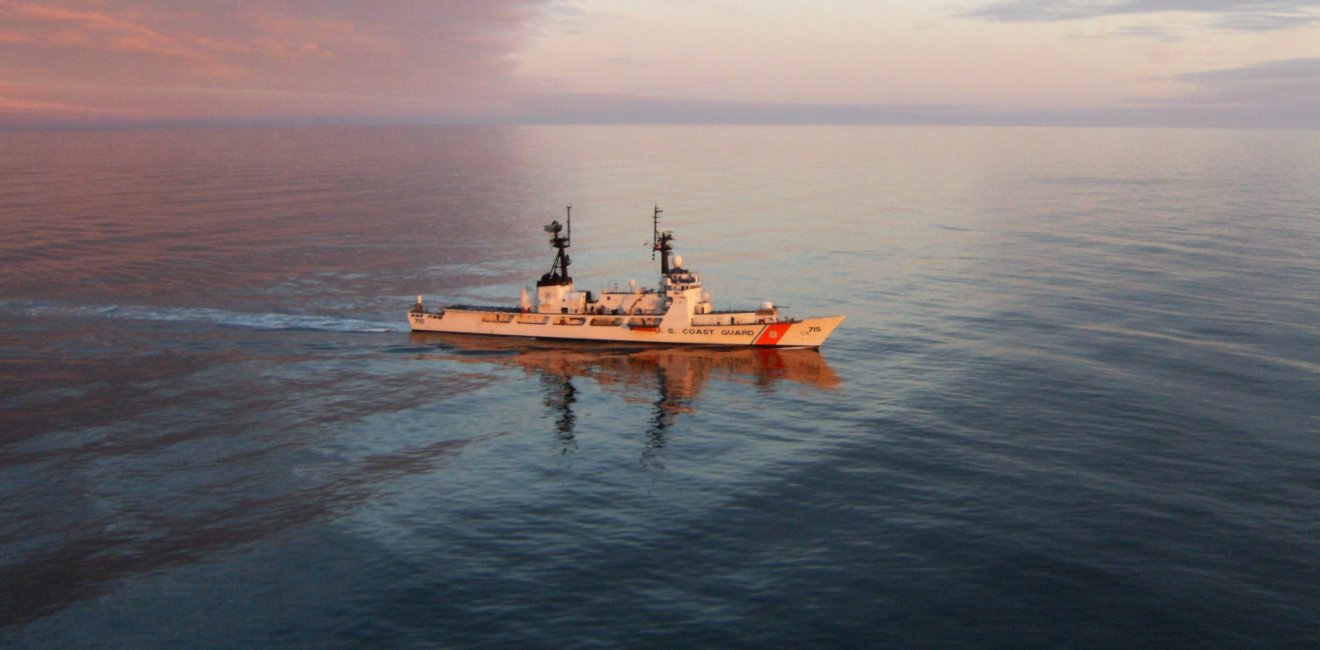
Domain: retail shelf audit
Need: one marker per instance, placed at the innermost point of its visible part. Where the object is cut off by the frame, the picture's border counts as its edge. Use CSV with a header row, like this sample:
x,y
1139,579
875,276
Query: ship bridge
x,y
681,280
684,287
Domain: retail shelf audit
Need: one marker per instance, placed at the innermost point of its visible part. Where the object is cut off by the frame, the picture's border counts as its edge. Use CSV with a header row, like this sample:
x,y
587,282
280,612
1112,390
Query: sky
x,y
1195,63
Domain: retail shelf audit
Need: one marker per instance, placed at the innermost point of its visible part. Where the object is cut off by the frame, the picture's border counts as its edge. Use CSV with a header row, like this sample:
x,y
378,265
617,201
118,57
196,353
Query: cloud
x,y
1291,82
1246,15
90,29
1148,32
162,57
590,108
1273,94
16,105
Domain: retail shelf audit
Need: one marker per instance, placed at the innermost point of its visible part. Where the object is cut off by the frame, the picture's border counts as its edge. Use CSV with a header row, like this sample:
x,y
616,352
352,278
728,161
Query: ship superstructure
x,y
677,312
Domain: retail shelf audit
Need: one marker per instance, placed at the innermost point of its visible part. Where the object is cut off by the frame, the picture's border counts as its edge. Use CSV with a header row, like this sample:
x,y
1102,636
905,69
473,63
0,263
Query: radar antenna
x,y
559,269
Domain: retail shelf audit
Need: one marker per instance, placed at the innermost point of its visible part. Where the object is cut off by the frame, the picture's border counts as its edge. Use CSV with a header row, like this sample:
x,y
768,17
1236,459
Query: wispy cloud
x,y
1150,32
454,54
1213,104
1269,94
586,108
1250,15
10,104
1292,82
226,61
1275,94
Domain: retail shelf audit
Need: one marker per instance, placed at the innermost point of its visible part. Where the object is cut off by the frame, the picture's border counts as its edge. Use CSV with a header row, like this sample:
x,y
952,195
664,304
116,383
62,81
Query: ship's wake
x,y
205,315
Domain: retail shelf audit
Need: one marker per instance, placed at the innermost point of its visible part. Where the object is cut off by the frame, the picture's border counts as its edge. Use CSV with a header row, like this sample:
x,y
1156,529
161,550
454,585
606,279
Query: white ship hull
x,y
809,332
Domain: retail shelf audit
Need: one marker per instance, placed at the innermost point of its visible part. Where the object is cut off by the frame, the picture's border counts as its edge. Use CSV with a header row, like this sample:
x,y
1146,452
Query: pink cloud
x,y
93,30
256,59
25,106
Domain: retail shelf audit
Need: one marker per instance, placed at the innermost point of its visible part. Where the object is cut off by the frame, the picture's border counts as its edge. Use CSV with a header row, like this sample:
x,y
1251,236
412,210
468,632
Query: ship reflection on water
x,y
670,378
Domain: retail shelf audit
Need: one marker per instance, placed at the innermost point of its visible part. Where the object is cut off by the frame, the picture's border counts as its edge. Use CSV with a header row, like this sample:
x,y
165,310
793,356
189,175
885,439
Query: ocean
x,y
1075,402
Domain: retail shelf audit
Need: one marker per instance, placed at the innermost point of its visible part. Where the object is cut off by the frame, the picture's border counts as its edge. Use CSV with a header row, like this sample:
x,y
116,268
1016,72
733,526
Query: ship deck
x,y
519,310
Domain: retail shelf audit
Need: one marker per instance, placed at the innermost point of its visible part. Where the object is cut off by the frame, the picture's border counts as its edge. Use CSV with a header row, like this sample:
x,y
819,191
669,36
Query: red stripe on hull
x,y
772,334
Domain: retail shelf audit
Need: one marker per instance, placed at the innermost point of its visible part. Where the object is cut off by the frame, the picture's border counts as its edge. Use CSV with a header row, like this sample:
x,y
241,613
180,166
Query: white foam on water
x,y
222,317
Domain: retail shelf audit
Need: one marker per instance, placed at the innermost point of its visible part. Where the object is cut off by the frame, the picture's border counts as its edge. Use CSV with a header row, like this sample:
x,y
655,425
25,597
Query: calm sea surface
x,y
1076,402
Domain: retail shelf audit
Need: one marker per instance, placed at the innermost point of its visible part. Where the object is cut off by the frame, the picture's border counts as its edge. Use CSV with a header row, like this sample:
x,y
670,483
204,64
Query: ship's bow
x,y
809,332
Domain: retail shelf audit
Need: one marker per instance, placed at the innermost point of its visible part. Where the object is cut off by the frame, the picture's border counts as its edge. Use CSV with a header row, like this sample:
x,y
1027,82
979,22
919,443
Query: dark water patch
x,y
106,551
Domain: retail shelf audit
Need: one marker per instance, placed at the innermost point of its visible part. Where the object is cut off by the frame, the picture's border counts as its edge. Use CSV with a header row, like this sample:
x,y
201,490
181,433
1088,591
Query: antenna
x,y
655,231
661,242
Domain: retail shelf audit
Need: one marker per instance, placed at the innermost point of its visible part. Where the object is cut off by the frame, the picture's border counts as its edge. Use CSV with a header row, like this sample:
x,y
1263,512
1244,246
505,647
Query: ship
x,y
678,311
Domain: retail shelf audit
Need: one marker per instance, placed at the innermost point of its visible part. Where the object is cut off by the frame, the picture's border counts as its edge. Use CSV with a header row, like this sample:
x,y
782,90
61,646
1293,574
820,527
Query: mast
x,y
559,269
660,242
